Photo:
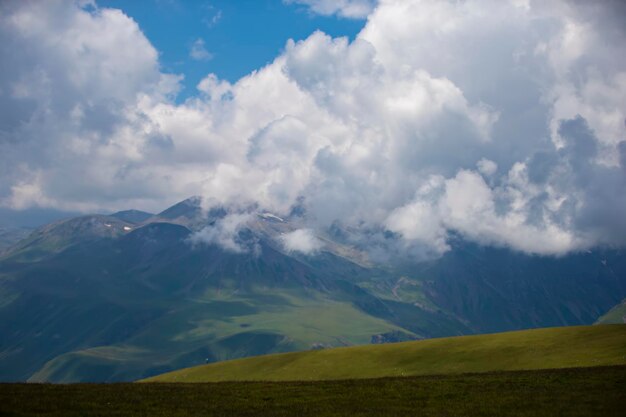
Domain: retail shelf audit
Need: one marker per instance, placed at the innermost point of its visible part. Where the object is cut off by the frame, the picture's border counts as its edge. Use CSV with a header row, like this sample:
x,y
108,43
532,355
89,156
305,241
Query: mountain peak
x,y
188,208
132,216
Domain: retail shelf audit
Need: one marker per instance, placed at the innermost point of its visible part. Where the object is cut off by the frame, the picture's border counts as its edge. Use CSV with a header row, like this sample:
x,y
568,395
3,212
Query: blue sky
x,y
240,36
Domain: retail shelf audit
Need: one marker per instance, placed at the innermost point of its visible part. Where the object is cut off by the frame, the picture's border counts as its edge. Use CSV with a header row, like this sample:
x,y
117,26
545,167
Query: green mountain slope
x,y
617,315
203,330
147,302
580,346
98,298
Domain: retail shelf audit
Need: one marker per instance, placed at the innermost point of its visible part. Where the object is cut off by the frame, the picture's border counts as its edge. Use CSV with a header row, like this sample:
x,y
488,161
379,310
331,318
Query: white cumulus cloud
x,y
224,233
301,240
500,121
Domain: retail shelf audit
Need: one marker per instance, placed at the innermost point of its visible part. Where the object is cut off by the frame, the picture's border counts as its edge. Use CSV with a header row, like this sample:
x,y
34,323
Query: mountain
x,y
11,235
186,213
103,298
132,216
58,236
498,290
551,348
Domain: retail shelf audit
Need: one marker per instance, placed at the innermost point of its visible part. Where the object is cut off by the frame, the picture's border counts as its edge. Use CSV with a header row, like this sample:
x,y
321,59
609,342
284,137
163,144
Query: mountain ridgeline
x,y
131,295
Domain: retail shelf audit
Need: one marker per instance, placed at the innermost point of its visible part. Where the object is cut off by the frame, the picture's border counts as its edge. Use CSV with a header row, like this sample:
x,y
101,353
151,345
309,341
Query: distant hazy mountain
x,y
126,296
497,289
11,235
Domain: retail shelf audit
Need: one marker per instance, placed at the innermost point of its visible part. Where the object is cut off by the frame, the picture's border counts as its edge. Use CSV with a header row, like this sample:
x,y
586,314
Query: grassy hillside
x,y
597,391
564,347
616,315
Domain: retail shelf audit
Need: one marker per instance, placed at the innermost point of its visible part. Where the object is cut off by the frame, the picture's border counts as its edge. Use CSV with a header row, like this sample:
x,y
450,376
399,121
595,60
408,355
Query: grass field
x,y
562,347
595,391
308,318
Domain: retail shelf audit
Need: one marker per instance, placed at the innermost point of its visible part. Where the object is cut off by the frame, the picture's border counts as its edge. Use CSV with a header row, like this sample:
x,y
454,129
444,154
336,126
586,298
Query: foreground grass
x,y
566,392
559,347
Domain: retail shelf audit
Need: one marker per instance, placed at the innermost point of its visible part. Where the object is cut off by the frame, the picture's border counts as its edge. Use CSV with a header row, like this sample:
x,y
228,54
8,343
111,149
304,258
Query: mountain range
x,y
130,295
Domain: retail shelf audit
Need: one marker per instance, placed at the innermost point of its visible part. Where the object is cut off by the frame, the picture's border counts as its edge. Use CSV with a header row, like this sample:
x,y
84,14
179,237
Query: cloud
x,y
225,233
199,52
213,16
502,122
487,167
467,205
301,240
351,9
73,82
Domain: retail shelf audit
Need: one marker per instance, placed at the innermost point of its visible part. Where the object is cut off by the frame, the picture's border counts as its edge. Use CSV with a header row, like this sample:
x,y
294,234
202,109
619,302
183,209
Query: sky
x,y
404,122
228,38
